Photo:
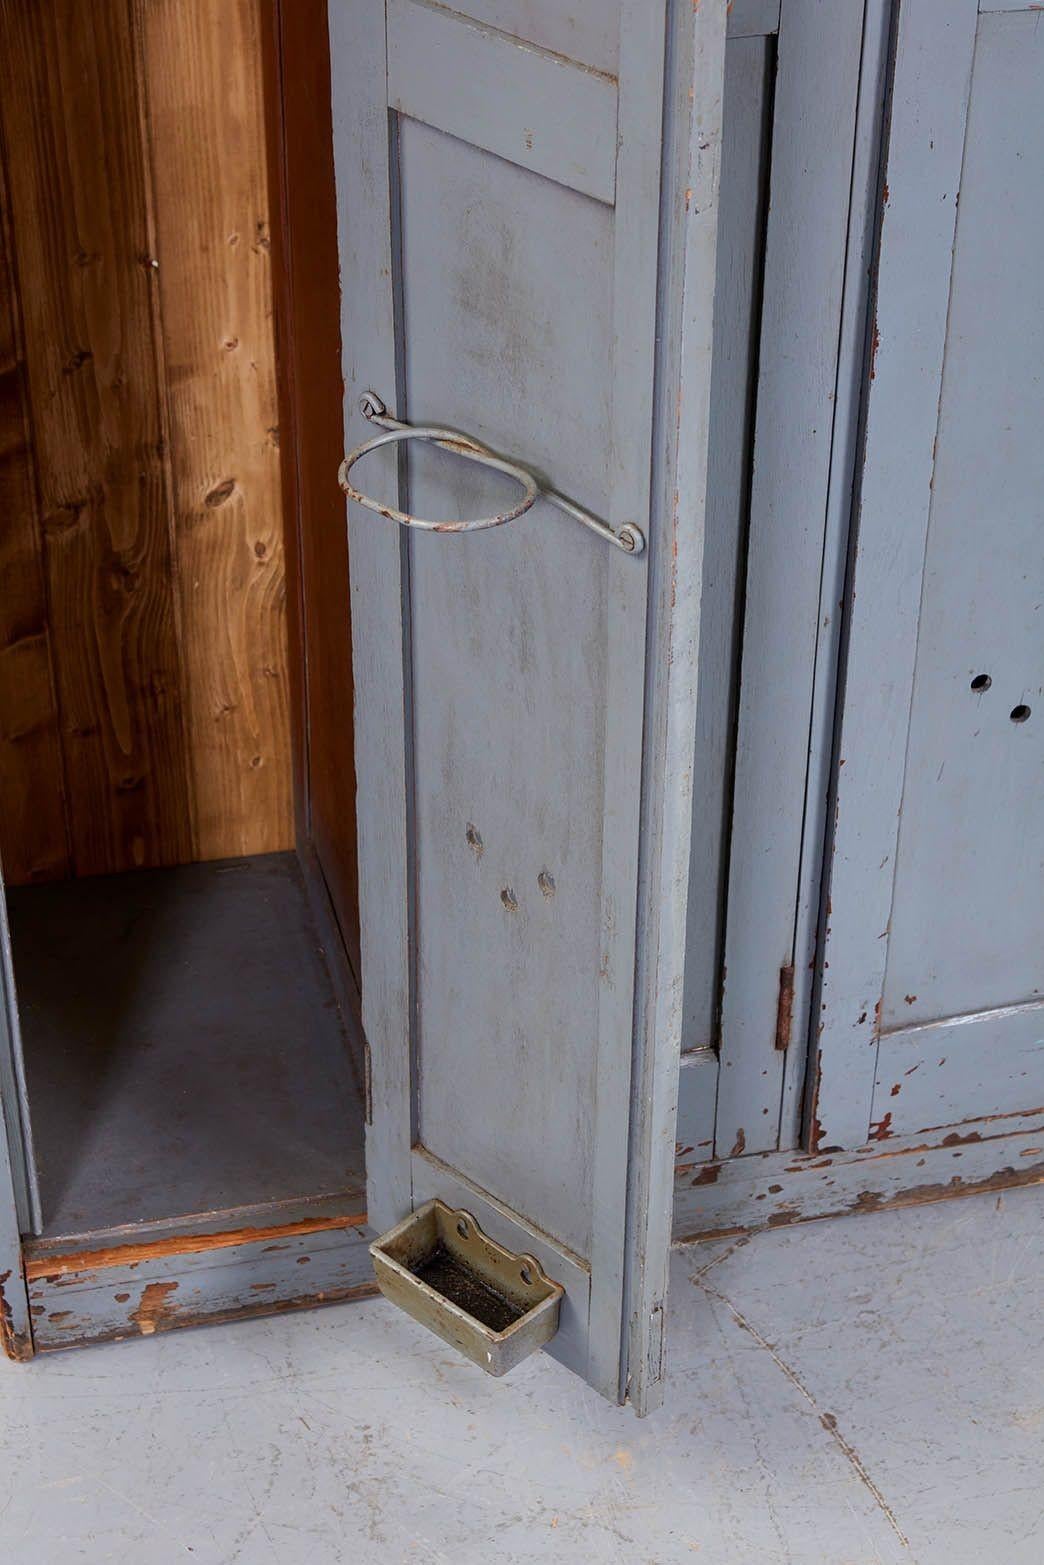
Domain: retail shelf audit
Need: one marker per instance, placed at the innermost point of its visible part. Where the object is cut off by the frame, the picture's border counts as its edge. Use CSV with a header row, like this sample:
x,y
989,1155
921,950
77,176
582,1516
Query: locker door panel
x,y
526,693
931,985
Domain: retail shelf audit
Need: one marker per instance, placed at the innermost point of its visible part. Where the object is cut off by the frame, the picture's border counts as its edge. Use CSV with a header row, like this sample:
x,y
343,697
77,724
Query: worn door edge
x,y
137,1290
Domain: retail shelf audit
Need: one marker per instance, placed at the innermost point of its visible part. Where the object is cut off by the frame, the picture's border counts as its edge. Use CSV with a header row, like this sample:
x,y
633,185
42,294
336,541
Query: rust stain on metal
x,y
739,1143
881,1129
154,1309
708,1174
785,1006
49,1267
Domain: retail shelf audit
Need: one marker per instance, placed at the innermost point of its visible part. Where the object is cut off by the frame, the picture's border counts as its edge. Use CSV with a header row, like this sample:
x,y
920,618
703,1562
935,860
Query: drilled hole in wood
x,y
1019,714
981,682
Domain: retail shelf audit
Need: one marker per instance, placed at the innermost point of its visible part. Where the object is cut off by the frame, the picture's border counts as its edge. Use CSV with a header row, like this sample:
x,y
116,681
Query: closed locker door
x,y
931,958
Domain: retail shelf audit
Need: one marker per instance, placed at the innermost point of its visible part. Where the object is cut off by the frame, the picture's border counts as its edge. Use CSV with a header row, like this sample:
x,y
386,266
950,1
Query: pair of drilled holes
x,y
524,1272
1018,714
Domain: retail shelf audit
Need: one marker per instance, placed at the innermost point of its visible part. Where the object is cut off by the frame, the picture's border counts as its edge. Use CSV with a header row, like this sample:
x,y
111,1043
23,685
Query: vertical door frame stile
x,y
379,596
693,127
638,172
927,117
851,381
810,189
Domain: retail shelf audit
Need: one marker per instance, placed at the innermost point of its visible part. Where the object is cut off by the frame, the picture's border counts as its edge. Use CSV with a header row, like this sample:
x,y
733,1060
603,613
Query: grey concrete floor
x,y
862,1390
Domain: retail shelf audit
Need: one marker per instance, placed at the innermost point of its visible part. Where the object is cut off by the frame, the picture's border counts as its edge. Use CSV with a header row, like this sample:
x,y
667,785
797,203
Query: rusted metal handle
x,y
449,440
629,538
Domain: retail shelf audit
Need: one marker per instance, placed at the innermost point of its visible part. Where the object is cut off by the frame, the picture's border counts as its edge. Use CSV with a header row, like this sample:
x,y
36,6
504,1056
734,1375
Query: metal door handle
x,y
629,538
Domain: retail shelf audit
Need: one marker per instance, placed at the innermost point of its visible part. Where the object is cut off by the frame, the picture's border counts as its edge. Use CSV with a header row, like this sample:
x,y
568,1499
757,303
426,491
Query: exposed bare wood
x,y
308,293
32,839
206,134
71,120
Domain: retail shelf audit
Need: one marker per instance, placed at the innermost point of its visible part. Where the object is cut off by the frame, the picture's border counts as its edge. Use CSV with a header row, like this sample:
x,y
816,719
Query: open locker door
x,y
528,197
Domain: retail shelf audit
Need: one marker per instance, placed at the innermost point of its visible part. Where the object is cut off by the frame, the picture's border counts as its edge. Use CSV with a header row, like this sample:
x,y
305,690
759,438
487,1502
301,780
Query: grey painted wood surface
x,y
746,145
184,1046
945,1072
131,1290
853,366
359,67
967,925
804,275
542,111
935,904
692,171
508,670
775,1189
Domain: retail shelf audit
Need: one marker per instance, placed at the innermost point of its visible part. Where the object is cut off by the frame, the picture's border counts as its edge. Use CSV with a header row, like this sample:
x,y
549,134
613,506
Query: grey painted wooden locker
x,y
699,802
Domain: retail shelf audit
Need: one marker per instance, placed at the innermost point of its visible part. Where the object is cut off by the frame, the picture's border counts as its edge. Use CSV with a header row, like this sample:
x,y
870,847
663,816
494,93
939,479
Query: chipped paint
x,y
154,1308
43,1264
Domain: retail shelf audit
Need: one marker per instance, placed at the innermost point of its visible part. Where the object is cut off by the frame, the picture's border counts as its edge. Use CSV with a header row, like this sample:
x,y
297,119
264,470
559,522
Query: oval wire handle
x,y
629,538
449,441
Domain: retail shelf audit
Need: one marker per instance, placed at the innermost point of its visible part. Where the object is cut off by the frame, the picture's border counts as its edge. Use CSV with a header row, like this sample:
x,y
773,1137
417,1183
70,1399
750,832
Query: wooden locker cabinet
x,y
631,824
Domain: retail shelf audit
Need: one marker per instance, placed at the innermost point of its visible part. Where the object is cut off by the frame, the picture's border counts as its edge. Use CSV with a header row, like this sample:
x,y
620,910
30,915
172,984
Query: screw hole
x,y
1019,714
462,1228
526,1275
981,682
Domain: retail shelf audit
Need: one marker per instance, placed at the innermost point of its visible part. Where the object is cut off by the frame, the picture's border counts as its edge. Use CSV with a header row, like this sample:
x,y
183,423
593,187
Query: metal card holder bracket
x,y
629,538
493,1305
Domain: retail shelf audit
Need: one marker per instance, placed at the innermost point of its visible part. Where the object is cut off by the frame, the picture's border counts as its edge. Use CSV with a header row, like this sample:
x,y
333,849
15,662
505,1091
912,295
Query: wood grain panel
x,y
72,125
312,390
32,842
206,134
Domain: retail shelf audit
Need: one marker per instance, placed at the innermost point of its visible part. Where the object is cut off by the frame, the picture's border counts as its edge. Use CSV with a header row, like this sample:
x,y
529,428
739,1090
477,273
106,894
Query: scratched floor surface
x,y
862,1390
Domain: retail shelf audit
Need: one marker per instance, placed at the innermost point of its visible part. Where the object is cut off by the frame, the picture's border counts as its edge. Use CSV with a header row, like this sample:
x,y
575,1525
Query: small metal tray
x,y
496,1307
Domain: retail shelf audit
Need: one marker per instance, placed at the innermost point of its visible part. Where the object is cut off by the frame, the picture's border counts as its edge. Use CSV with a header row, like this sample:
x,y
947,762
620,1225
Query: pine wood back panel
x,y
134,141
33,805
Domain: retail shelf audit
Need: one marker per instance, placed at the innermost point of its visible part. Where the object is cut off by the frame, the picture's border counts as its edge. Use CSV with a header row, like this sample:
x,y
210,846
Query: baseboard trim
x,y
770,1190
